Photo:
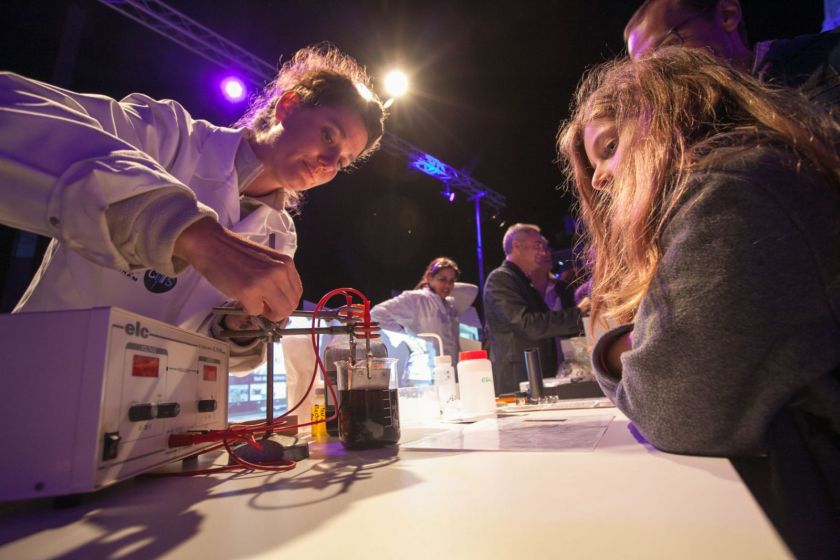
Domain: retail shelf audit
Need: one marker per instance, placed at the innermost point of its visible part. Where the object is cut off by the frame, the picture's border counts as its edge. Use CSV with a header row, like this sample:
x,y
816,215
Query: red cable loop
x,y
248,432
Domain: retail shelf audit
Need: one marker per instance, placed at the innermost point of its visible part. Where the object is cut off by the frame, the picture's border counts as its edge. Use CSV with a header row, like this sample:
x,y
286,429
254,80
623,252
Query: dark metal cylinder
x,y
535,378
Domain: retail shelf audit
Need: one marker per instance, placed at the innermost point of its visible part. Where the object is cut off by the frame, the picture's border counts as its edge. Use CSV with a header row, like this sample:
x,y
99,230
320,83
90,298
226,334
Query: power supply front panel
x,y
93,396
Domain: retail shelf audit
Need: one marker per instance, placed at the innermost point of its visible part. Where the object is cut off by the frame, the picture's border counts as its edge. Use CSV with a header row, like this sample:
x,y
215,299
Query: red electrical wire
x,y
248,431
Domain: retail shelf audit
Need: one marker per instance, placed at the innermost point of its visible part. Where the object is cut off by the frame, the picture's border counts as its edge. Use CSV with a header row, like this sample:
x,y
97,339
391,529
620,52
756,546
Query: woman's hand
x,y
585,306
264,281
240,323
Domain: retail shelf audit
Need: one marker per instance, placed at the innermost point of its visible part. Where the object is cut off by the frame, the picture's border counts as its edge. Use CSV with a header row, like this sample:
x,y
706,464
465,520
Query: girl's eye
x,y
326,135
611,147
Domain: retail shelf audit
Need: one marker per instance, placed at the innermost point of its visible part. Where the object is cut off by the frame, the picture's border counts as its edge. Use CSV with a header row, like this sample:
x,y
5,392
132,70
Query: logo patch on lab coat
x,y
158,283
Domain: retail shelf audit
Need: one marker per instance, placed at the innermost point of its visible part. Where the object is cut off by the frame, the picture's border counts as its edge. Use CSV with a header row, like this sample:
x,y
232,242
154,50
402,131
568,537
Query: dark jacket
x,y
810,63
517,318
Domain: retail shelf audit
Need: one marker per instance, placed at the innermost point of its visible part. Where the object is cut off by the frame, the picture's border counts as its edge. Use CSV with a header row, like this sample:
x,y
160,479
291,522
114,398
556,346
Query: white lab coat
x,y
65,157
423,311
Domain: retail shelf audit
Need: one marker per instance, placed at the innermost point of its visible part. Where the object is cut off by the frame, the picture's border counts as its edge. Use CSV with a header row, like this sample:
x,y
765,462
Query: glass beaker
x,y
339,349
368,409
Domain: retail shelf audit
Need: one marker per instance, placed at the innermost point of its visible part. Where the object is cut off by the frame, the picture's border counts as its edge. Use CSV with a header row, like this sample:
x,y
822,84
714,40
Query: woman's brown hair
x,y
436,266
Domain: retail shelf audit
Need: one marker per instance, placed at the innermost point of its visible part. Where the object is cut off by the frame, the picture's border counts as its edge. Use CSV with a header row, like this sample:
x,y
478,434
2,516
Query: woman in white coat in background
x,y
432,307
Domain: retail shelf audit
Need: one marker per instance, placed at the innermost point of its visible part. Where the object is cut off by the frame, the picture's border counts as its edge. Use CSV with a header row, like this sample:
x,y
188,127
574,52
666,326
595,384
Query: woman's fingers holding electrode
x,y
240,322
280,290
266,284
264,281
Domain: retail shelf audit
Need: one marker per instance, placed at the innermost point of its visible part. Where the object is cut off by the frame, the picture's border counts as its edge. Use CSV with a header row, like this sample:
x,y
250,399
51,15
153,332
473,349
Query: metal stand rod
x,y
342,329
272,332
269,370
269,409
327,314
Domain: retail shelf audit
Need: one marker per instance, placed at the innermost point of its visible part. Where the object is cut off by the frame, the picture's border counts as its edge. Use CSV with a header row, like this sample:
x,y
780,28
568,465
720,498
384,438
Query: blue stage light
x,y
430,165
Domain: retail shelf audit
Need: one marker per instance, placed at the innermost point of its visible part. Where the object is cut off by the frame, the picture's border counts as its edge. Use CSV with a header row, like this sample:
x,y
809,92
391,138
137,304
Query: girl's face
x,y
603,150
442,282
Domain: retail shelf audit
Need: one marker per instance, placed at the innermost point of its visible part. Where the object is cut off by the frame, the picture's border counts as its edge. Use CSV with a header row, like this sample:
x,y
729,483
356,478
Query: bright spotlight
x,y
396,83
233,89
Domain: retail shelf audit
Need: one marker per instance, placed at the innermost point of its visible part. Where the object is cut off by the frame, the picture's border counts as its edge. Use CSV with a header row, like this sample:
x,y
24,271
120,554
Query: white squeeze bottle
x,y
475,378
445,385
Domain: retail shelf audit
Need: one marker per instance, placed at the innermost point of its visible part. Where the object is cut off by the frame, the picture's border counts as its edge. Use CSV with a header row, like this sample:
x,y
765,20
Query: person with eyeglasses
x,y
515,313
433,306
810,63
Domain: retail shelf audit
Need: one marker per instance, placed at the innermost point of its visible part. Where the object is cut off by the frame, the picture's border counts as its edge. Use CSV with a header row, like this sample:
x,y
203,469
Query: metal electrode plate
x,y
373,373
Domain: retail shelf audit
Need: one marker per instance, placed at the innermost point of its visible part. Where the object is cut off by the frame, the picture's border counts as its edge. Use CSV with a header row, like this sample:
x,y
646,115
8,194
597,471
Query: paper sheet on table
x,y
520,433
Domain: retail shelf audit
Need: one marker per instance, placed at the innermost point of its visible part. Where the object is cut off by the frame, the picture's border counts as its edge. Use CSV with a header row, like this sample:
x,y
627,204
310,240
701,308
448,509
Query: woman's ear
x,y
288,102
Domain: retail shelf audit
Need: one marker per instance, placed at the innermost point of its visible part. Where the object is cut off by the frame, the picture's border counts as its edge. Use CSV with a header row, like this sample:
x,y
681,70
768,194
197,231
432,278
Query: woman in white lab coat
x,y
432,307
165,215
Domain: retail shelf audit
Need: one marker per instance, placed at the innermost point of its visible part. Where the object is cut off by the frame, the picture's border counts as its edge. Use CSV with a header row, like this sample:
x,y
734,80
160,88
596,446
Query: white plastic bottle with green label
x,y
475,380
445,385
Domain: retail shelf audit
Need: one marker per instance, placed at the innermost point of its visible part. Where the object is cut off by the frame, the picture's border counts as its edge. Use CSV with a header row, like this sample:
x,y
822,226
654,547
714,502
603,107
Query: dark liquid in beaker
x,y
368,418
329,405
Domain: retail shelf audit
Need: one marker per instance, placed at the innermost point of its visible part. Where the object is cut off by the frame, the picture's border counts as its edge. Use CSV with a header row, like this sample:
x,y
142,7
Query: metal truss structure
x,y
190,34
444,173
195,37
204,42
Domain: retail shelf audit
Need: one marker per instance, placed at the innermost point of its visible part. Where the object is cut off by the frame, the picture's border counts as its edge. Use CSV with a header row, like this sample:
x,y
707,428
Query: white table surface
x,y
623,500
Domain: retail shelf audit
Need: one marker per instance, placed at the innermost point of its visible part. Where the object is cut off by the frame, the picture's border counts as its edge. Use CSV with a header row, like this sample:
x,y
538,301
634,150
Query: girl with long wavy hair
x,y
712,203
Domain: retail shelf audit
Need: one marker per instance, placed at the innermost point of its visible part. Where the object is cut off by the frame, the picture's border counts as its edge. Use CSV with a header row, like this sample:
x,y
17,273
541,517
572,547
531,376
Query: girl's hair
x,y
436,266
676,111
322,76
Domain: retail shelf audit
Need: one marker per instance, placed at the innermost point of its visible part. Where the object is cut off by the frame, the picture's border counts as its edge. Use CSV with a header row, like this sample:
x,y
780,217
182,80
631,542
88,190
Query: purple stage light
x,y
448,193
233,89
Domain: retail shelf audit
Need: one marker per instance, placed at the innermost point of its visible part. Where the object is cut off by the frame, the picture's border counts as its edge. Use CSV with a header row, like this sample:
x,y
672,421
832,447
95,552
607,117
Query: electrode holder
x,y
271,332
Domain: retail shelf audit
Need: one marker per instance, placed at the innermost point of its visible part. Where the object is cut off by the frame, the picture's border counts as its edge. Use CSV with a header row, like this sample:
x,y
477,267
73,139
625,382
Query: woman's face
x,y
603,150
310,145
442,282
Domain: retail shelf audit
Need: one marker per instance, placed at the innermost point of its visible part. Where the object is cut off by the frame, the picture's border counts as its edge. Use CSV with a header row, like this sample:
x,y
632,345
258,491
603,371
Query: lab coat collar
x,y
248,166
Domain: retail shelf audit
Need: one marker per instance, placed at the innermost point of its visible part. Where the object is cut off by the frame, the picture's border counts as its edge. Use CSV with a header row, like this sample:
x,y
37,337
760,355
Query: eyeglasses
x,y
537,246
675,30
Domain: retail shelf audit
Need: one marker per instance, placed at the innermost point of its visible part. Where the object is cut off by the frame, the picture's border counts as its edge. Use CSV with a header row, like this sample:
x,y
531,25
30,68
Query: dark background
x,y
490,82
